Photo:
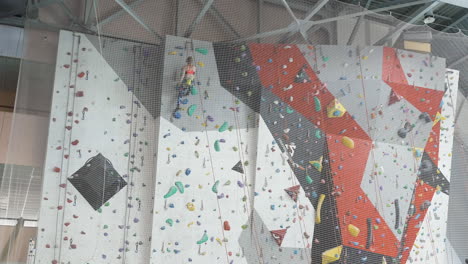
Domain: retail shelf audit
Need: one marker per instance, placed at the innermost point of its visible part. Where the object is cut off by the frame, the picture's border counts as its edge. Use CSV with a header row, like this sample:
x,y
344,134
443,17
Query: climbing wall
x,y
277,154
367,133
205,165
98,181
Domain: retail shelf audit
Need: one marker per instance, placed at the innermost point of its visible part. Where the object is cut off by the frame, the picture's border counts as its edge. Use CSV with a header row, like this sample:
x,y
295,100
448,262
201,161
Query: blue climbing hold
x,y
177,115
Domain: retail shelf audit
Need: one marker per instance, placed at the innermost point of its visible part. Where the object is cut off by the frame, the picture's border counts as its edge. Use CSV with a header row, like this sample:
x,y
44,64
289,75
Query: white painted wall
x,y
116,126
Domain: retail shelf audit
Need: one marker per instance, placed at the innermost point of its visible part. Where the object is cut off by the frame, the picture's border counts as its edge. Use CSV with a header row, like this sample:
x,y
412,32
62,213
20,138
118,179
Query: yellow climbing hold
x,y
438,118
331,255
335,109
349,143
173,53
318,213
317,164
190,206
201,64
353,230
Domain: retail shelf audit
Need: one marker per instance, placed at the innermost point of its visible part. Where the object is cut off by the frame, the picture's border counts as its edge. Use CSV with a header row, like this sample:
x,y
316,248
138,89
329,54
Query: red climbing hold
x,y
79,94
56,169
394,97
278,235
293,192
81,74
226,225
75,142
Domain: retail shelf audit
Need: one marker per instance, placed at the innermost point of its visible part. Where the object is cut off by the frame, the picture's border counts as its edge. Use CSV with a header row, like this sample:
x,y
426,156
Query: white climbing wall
x,y
94,112
431,244
187,156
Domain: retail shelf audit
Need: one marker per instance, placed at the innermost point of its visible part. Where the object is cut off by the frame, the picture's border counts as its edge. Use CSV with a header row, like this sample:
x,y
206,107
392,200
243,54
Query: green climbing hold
x,y
289,110
203,239
194,90
215,187
202,51
318,105
179,186
223,127
244,227
216,146
169,221
309,179
191,110
171,192
318,134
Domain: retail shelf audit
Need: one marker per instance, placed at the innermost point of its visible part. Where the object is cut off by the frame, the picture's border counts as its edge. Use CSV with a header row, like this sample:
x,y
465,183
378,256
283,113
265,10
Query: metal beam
x,y
327,20
197,20
259,17
455,63
119,13
403,25
89,10
137,18
456,22
315,9
358,25
221,20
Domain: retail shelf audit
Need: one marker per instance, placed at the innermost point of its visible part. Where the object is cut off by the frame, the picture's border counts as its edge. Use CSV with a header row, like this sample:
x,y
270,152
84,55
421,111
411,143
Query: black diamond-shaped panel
x,y
97,181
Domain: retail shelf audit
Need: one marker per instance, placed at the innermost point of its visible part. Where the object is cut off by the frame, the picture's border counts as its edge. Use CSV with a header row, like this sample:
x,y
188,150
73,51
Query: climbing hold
x,y
202,51
318,105
331,255
171,192
169,221
309,179
238,167
317,164
319,209
335,109
223,127
188,171
289,110
278,235
216,146
177,115
438,118
194,90
215,187
353,230
226,226
293,192
347,142
394,97
203,239
201,64
190,207
180,186
173,53
318,135
191,109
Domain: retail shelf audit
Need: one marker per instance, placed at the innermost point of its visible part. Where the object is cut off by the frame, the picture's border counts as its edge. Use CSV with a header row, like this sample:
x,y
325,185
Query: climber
x,y
186,80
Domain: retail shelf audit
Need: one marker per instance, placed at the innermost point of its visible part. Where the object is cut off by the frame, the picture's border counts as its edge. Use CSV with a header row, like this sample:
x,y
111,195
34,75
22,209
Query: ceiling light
x,y
429,17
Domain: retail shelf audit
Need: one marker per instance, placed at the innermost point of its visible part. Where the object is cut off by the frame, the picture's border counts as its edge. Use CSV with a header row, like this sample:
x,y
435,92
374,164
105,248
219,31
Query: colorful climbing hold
x,y
202,51
191,110
347,142
318,105
223,127
215,187
179,186
216,146
203,239
353,230
171,192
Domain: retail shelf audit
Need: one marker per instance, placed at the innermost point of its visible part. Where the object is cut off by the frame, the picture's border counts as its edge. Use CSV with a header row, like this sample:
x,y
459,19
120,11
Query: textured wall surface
x,y
280,153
